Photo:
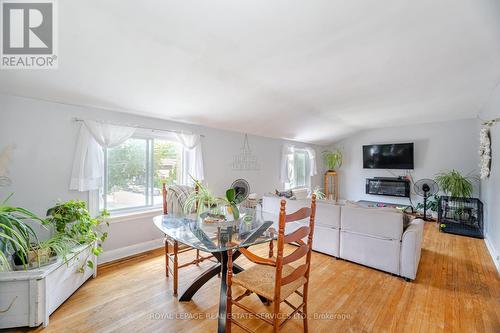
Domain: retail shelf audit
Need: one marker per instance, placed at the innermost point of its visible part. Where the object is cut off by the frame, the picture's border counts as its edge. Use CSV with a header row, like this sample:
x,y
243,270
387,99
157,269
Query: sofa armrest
x,y
411,245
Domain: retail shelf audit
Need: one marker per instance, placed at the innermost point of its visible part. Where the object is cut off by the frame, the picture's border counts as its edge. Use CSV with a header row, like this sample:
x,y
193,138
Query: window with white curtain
x,y
299,173
134,170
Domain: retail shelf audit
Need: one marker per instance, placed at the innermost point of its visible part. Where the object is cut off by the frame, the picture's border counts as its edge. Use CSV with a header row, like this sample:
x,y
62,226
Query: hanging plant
x,y
485,152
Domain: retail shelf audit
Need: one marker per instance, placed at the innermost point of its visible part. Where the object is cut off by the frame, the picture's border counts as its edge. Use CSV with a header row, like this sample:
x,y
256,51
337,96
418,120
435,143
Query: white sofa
x,y
327,222
374,237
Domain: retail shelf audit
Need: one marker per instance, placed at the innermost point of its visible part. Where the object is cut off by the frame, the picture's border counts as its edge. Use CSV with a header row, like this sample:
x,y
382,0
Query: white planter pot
x,y
28,298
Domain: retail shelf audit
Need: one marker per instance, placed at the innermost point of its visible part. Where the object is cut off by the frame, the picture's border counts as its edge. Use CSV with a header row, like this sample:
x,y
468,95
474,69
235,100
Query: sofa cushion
x,y
327,212
374,222
326,240
370,251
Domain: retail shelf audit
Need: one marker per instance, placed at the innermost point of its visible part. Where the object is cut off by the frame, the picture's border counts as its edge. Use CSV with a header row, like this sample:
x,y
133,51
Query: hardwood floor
x,y
457,290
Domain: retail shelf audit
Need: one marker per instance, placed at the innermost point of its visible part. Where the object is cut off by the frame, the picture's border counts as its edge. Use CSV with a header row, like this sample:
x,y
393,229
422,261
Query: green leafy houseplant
x,y
233,202
73,223
332,159
201,200
16,236
319,194
455,184
432,204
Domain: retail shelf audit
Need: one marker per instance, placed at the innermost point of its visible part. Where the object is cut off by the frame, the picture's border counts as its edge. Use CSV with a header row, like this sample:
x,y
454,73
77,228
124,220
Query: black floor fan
x,y
426,188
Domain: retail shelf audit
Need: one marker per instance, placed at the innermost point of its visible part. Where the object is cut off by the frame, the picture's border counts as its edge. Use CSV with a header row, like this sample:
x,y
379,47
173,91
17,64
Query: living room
x,y
169,177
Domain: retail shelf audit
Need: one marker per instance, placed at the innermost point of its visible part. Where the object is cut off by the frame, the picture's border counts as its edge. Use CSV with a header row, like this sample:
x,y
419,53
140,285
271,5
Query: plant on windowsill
x,y
73,223
332,159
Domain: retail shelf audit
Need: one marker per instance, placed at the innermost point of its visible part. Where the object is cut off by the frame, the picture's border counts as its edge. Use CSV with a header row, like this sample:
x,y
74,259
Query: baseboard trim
x,y
127,251
493,253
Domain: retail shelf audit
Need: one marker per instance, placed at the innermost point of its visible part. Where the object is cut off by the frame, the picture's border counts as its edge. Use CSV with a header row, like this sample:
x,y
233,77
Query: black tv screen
x,y
388,156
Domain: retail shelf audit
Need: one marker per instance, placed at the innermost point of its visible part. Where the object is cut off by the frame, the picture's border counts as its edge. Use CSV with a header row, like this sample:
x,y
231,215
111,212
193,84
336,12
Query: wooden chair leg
x,y
166,257
276,317
176,267
271,249
229,299
197,257
304,309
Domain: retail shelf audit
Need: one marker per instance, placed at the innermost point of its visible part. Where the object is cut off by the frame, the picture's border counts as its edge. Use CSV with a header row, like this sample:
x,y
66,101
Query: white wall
x,y
438,147
45,136
490,187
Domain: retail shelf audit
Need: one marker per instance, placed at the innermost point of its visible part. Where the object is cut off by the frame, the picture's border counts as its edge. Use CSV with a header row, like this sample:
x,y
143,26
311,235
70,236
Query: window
x,y
134,172
298,169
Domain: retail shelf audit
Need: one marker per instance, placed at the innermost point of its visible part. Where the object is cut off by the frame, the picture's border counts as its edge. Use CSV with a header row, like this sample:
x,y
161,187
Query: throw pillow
x,y
287,194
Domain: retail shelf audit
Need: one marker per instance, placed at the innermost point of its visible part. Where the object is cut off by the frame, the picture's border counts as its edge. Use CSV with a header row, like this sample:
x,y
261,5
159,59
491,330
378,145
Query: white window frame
x,y
288,186
97,198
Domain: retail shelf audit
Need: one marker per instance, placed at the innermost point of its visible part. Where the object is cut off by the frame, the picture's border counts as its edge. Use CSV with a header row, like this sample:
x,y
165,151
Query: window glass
x,y
166,166
135,171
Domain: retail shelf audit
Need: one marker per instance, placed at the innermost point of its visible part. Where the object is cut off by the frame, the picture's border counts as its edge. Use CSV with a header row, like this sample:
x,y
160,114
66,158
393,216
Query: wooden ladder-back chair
x,y
274,278
177,248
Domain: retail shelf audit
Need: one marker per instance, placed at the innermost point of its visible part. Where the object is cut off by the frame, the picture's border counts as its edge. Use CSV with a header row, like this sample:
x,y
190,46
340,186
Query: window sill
x,y
130,216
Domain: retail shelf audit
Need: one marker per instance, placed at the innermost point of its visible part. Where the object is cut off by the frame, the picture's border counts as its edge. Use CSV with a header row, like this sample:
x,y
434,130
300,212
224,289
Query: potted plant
x,y
458,211
332,159
201,200
320,195
432,205
76,238
454,184
17,237
74,224
233,201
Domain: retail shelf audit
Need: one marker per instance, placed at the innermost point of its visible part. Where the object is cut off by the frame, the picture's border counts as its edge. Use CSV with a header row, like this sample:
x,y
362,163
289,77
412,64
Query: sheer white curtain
x,y
88,163
312,161
192,157
287,162
286,169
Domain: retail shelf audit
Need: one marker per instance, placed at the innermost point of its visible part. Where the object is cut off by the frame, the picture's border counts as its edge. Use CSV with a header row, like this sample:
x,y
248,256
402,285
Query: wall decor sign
x,y
245,160
485,152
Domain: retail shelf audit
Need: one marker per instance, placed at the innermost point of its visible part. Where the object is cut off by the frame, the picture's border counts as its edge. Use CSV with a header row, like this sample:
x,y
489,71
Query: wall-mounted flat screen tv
x,y
388,156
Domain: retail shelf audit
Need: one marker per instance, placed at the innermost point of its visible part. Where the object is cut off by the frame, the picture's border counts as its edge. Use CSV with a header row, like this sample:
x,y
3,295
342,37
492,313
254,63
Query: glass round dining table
x,y
206,234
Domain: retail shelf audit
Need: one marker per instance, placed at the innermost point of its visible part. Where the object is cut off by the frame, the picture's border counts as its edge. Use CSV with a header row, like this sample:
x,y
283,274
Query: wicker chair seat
x,y
260,279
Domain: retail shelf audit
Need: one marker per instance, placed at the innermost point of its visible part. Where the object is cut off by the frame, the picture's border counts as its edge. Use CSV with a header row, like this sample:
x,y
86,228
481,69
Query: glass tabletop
x,y
212,235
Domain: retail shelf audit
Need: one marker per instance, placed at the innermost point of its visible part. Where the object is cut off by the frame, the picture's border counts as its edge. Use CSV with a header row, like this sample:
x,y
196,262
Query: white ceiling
x,y
310,70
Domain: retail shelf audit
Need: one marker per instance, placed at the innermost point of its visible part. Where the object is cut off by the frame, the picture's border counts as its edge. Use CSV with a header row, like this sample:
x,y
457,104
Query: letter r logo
x,y
27,28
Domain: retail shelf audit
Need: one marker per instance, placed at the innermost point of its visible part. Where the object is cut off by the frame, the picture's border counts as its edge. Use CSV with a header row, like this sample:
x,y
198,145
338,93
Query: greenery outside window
x,y
134,172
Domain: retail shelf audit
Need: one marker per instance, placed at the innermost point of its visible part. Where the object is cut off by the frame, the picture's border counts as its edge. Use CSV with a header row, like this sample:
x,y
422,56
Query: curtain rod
x,y
146,128
491,122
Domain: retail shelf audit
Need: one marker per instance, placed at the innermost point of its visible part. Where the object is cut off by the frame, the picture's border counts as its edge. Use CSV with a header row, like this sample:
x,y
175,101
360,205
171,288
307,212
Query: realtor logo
x,y
28,34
